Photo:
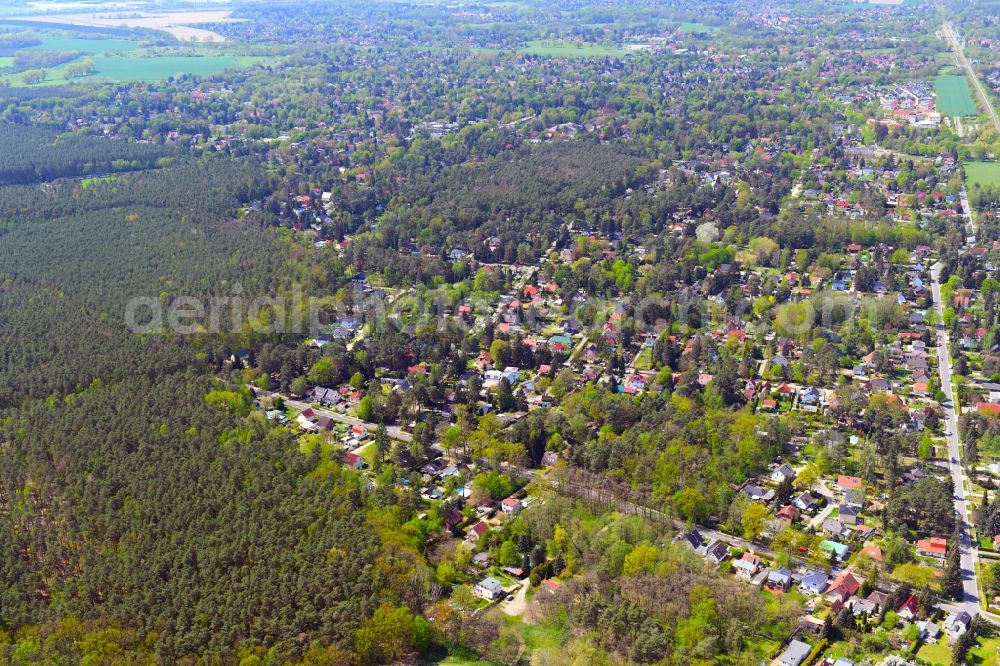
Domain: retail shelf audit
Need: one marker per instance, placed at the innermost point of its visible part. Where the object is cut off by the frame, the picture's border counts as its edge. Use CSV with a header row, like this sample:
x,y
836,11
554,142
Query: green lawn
x,y
562,49
935,654
984,174
644,361
954,97
916,574
986,652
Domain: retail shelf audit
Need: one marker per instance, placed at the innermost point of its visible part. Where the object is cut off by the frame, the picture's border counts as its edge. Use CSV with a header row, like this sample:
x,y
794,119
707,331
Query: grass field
x,y
129,68
697,27
140,68
558,49
986,652
954,98
984,174
935,654
85,45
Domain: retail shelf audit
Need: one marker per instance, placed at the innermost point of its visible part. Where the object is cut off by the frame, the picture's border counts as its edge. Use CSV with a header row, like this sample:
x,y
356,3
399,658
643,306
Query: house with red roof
x,y
988,408
843,588
908,609
935,547
848,482
354,461
477,531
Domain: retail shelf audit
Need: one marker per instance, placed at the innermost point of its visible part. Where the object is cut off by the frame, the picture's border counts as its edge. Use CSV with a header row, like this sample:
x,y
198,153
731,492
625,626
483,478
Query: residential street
x,y
394,432
970,602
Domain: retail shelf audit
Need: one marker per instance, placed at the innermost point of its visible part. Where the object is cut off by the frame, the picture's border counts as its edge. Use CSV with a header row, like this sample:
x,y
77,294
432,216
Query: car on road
x,y
510,597
954,461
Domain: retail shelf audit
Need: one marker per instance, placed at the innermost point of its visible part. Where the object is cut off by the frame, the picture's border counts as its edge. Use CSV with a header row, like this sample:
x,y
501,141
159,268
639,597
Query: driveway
x,y
517,606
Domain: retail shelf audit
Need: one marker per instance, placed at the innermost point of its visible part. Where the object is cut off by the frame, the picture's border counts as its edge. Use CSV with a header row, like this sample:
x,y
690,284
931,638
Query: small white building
x,y
511,506
488,588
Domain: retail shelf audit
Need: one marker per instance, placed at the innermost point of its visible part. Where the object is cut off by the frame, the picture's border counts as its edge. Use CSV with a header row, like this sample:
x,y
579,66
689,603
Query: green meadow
x,y
562,49
984,174
144,68
85,45
697,27
954,98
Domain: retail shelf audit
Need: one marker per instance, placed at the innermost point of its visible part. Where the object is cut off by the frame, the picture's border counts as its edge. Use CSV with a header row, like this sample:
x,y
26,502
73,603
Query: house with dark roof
x,y
779,580
717,553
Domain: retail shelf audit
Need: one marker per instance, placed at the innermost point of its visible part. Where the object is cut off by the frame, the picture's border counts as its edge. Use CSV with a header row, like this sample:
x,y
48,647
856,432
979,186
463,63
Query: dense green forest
x,y
127,497
33,155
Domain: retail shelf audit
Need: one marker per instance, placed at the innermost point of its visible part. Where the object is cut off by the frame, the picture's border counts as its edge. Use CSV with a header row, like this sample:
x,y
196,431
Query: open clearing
x,y
954,97
139,68
177,23
983,174
561,49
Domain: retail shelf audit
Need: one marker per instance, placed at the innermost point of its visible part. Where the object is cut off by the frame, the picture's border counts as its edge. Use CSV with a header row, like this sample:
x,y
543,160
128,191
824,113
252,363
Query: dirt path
x,y
519,604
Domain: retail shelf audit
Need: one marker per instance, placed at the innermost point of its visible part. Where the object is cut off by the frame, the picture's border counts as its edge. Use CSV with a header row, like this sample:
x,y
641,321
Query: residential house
x,y
717,553
873,551
805,502
354,461
935,547
783,473
694,539
779,580
488,588
477,531
747,566
854,498
758,494
834,527
848,482
837,549
909,608
511,506
864,606
814,582
848,515
794,655
843,587
788,514
958,625
930,632
326,396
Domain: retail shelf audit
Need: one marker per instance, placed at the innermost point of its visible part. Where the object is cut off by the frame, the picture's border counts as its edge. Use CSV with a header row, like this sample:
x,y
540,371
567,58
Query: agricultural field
x,y
983,174
145,68
954,97
177,23
563,49
82,45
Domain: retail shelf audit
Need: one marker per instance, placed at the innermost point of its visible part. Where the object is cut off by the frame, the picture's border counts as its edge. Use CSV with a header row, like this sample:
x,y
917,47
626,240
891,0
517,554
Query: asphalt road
x,y
395,432
952,38
969,555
